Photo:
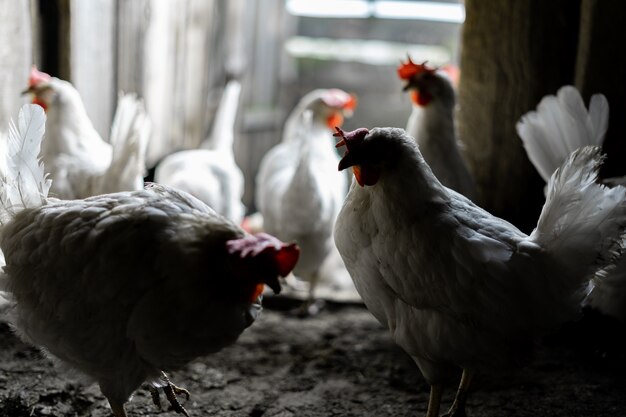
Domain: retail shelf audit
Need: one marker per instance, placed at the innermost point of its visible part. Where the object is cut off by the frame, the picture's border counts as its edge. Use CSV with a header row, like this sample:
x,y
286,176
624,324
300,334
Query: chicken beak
x,y
29,90
347,161
274,284
412,84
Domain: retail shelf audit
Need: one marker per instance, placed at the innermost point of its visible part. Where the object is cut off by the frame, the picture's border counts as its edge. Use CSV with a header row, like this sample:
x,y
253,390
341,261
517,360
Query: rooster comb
x,y
409,69
334,97
350,139
284,254
37,77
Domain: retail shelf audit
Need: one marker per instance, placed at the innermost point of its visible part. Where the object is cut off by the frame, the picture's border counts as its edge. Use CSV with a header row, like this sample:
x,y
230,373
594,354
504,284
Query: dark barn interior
x,y
328,354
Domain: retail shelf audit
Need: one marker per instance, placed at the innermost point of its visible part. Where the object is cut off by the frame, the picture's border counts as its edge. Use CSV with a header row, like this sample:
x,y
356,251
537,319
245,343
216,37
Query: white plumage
x,y
560,125
298,191
127,285
211,173
456,286
22,177
78,160
432,125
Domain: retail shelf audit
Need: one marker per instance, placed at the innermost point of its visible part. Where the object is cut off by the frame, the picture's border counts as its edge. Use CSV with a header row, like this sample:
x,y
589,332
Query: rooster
x,y
77,158
560,125
457,287
210,173
298,192
431,123
125,286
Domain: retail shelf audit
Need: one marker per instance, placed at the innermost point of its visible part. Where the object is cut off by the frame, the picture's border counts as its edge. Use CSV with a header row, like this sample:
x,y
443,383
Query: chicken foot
x,y
118,409
457,409
312,306
434,401
171,392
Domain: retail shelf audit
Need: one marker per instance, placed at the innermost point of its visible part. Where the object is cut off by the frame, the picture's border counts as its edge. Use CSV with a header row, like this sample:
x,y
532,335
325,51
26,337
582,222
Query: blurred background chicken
x,y
79,161
298,191
560,125
432,125
211,173
457,287
128,285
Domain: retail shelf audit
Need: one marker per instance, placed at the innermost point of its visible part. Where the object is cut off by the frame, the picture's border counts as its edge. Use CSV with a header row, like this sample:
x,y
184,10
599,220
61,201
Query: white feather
x,y
223,131
560,125
580,218
299,192
130,132
211,173
24,182
458,286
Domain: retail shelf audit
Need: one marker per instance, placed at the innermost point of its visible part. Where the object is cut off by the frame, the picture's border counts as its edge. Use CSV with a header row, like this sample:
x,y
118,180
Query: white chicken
x,y
560,125
456,286
128,285
78,160
431,123
211,173
298,191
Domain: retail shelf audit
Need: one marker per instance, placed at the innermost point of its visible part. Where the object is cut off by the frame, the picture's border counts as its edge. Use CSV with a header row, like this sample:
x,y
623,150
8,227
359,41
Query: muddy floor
x,y
339,363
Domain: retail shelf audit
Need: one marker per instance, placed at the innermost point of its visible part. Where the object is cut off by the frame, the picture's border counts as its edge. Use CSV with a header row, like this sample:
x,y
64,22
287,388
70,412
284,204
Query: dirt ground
x,y
339,363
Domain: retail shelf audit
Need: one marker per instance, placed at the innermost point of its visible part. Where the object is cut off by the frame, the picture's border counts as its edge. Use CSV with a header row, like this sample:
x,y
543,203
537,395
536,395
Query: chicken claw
x,y
458,406
171,391
156,397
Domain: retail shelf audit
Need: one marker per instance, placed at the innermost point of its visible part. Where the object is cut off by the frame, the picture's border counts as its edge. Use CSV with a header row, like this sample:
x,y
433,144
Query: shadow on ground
x,y
339,363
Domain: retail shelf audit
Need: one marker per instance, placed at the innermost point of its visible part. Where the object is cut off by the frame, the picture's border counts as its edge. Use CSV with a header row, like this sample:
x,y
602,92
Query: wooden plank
x,y
262,93
168,54
52,24
600,68
93,62
15,56
513,53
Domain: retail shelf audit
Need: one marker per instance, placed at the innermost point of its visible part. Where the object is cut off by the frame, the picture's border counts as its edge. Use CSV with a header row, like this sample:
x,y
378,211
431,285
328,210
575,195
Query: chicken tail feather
x,y
582,222
130,132
560,125
222,134
23,181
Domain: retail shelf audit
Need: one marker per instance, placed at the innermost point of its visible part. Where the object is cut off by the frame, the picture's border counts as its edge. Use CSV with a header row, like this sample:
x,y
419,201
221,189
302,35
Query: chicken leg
x,y
118,409
434,401
457,409
171,391
312,306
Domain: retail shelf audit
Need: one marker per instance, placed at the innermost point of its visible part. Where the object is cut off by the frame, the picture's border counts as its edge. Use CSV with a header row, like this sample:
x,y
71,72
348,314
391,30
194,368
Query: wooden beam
x,y
601,68
512,54
15,57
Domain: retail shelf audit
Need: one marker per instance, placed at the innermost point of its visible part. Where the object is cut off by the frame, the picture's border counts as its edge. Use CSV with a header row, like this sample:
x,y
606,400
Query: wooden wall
x,y
512,55
601,68
15,56
93,58
176,55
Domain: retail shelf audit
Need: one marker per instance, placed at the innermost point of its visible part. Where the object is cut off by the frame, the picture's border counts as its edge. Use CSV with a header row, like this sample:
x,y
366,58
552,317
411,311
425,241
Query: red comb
x,y
409,69
285,254
335,97
339,134
350,139
351,103
37,77
454,73
287,258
